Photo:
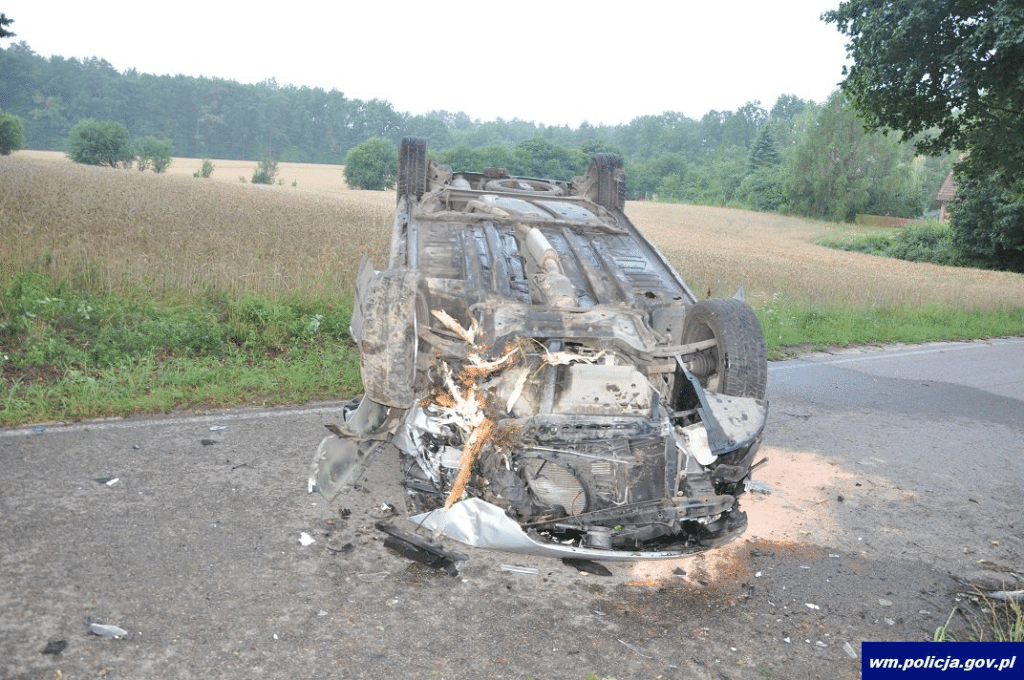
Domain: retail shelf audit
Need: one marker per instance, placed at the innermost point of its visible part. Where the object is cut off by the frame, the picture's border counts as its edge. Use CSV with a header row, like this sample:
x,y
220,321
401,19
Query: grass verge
x,y
67,354
986,620
790,327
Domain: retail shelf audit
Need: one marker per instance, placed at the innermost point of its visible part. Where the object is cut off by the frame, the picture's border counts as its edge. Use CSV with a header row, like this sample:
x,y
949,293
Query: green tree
x,y
4,23
840,170
205,169
988,227
763,189
946,74
537,157
155,153
100,142
766,150
265,172
372,165
12,133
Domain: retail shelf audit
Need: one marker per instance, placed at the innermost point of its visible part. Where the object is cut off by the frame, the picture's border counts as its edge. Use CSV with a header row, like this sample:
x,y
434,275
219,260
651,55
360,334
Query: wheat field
x,y
110,229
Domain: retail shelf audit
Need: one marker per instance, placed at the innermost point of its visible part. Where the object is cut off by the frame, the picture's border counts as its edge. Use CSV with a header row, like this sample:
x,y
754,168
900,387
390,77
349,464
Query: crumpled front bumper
x,y
480,524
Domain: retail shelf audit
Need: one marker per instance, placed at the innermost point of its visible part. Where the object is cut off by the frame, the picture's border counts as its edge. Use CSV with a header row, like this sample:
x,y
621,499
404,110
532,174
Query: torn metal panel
x,y
482,525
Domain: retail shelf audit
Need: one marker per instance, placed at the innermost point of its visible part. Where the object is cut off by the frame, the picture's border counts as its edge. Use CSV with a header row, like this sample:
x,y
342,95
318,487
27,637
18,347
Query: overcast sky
x,y
555,63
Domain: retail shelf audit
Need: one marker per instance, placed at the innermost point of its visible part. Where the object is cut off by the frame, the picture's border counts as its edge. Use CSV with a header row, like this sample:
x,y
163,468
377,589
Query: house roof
x,y
947,190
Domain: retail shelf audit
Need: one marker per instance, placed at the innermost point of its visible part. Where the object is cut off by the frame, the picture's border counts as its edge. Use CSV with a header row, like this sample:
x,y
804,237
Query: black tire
x,y
396,304
412,168
610,188
738,364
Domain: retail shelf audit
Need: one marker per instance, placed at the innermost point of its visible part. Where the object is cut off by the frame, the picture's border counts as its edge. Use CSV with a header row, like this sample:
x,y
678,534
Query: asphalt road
x,y
890,469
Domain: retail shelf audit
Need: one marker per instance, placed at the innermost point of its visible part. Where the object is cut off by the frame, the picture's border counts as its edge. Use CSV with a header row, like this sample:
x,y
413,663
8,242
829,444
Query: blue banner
x,y
942,659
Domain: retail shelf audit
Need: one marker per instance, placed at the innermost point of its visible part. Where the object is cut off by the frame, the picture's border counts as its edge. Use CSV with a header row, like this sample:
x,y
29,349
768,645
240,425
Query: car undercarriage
x,y
546,378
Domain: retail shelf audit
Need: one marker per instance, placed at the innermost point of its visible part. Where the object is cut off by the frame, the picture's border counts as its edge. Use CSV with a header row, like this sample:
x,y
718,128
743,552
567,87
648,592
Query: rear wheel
x,y
412,168
609,190
396,304
737,365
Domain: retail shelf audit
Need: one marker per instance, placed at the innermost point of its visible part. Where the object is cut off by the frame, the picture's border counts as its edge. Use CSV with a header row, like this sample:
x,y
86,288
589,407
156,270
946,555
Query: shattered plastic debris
x,y
104,630
516,569
884,602
1007,595
421,550
848,648
218,428
383,511
306,540
757,486
587,566
340,549
811,606
375,577
55,647
38,430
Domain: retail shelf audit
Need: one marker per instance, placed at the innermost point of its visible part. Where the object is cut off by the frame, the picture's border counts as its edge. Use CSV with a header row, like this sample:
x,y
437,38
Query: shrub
x,y
155,153
264,172
917,242
925,242
372,165
12,133
205,170
100,142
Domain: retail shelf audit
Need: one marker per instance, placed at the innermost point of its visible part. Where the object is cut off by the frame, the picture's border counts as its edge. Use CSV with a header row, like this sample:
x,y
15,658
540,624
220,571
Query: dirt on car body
x,y
550,382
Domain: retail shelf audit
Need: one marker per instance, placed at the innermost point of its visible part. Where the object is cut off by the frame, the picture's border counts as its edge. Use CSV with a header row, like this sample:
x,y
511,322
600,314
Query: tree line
x,y
796,156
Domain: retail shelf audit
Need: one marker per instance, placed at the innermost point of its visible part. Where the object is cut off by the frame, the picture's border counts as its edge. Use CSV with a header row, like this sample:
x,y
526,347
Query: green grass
x,y
791,327
929,241
987,620
67,354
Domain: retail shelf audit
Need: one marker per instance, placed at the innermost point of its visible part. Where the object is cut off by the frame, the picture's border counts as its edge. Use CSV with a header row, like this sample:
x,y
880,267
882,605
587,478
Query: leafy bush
x,y
205,170
12,134
372,165
929,241
265,172
100,142
925,242
155,153
988,226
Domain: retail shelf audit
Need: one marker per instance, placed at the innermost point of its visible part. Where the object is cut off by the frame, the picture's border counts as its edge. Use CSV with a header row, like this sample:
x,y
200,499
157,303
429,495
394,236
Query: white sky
x,y
556,63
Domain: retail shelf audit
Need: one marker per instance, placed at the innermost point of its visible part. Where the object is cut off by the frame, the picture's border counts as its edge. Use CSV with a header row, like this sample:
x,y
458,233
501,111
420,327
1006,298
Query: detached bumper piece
x,y
421,550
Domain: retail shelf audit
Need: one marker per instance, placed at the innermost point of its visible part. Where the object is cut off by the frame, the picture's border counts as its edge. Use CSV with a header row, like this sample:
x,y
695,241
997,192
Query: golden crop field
x,y
110,228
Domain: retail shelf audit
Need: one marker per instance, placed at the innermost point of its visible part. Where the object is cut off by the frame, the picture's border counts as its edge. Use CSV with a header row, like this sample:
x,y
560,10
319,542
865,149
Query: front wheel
x,y
412,168
396,304
737,365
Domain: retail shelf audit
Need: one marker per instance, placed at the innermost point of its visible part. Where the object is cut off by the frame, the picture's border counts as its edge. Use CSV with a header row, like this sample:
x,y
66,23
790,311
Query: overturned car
x,y
549,382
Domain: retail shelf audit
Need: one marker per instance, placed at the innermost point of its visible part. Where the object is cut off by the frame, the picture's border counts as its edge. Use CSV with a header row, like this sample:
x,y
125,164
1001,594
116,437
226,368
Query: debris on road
x,y
516,569
105,630
587,566
421,550
55,647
